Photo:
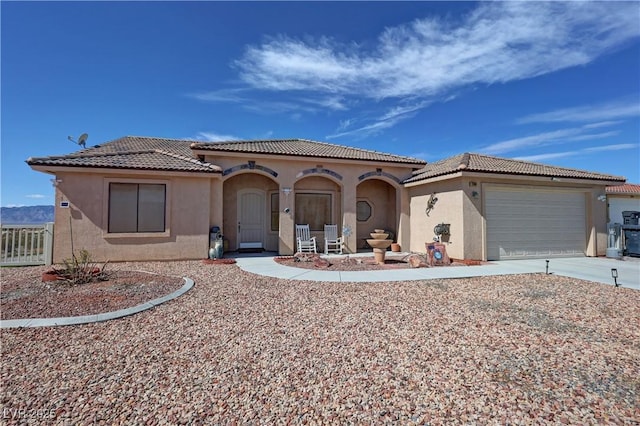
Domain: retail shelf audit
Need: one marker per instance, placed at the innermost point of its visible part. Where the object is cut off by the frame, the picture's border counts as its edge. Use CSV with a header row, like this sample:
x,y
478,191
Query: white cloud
x,y
214,137
498,42
263,106
552,155
428,59
222,95
389,119
616,147
37,196
556,136
607,111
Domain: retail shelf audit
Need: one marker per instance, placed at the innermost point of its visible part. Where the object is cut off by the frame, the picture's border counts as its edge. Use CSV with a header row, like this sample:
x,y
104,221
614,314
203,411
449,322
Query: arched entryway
x,y
317,202
249,202
376,208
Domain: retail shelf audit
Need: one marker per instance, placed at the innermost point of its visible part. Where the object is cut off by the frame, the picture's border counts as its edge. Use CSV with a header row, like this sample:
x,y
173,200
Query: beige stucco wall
x,y
460,203
598,222
198,201
187,219
295,174
448,209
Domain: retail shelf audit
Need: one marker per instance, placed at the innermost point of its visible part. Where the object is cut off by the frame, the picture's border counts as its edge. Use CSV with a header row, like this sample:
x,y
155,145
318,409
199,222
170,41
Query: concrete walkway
x,y
585,268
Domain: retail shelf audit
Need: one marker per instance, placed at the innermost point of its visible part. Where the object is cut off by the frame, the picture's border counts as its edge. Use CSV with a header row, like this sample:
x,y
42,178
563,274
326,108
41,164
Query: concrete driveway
x,y
586,268
597,269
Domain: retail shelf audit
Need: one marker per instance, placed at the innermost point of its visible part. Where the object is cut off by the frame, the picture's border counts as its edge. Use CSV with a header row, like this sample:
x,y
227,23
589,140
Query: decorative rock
x,y
416,261
305,257
50,276
321,263
502,349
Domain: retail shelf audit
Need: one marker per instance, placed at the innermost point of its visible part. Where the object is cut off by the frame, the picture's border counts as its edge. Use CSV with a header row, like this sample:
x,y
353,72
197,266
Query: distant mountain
x,y
26,214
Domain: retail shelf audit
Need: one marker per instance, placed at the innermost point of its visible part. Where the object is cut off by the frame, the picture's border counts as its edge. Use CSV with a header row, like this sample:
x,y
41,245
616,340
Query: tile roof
x,y
149,153
470,162
306,148
133,153
627,188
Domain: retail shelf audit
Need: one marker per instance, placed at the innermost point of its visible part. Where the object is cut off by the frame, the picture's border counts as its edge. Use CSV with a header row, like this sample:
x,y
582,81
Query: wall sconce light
x,y
431,203
286,191
442,229
602,198
475,194
614,275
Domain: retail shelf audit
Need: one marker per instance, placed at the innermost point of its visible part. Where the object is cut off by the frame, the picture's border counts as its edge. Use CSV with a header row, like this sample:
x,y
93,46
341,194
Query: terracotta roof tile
x,y
486,164
305,148
627,188
138,152
134,154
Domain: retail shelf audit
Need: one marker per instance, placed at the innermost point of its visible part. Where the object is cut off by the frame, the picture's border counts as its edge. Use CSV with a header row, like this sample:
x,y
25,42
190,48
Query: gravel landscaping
x,y
242,348
25,295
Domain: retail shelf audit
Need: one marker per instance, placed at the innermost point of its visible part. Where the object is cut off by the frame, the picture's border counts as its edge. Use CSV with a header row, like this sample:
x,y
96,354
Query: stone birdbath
x,y
380,244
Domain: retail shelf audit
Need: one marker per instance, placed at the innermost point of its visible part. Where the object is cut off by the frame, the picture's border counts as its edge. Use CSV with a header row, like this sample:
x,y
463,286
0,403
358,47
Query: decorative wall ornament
x,y
379,172
251,165
319,170
431,203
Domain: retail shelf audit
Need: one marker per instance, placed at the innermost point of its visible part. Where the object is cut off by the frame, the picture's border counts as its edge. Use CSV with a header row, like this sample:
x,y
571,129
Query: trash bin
x,y
216,243
614,241
630,217
631,230
632,240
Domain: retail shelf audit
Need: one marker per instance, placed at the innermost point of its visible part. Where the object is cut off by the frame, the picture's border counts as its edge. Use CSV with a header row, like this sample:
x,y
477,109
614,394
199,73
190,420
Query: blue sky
x,y
549,82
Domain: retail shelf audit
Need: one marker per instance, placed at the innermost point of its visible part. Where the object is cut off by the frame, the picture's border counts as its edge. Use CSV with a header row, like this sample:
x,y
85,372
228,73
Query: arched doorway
x,y
251,219
376,208
247,206
317,202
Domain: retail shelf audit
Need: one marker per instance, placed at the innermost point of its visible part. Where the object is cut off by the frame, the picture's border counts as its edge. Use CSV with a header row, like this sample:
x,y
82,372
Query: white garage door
x,y
528,224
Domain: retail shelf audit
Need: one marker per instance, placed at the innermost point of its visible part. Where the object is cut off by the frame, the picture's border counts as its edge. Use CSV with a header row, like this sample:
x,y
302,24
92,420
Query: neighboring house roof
x,y
626,189
470,162
305,148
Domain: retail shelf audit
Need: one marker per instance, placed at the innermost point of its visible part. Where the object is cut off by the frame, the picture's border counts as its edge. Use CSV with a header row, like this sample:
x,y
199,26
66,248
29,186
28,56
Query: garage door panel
x,y
522,224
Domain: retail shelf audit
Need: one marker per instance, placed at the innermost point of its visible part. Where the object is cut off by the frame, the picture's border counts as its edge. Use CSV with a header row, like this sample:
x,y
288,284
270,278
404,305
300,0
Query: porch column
x,y
286,240
349,221
403,208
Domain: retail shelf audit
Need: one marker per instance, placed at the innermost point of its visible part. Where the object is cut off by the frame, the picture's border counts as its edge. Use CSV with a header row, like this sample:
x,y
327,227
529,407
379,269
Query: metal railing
x,y
26,244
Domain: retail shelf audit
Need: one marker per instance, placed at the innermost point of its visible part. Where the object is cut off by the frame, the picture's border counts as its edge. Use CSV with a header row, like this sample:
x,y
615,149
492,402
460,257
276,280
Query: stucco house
x,y
146,198
621,198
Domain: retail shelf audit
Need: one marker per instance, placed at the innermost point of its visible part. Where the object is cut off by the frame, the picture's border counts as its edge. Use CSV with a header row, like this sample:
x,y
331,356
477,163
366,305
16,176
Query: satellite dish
x,y
82,140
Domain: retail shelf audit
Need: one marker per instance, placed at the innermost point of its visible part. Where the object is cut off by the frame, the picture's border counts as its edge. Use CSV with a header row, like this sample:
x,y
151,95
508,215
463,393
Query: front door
x,y
251,212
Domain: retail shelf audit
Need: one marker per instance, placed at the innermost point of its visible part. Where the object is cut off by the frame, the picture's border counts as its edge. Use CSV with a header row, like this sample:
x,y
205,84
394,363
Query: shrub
x,y
81,269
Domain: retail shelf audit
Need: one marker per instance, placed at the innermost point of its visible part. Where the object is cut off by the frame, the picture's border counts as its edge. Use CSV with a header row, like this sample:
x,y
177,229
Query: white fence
x,y
26,245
